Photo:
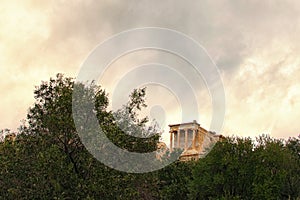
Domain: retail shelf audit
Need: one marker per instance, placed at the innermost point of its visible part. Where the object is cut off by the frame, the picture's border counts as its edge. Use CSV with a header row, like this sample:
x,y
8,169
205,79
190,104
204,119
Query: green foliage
x,y
277,170
129,132
225,171
174,180
238,169
47,160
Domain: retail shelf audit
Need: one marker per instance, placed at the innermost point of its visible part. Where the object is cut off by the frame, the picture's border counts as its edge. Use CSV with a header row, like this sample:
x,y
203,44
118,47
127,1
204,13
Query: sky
x,y
255,45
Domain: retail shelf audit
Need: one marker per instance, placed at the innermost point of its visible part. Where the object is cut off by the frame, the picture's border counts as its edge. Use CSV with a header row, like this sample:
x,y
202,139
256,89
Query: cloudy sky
x,y
255,45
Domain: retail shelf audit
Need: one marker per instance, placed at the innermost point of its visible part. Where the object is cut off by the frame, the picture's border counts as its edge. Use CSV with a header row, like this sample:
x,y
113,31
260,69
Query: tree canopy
x,y
47,159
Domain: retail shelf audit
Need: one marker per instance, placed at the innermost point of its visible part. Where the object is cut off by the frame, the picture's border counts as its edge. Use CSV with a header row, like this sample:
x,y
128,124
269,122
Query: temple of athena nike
x,y
193,139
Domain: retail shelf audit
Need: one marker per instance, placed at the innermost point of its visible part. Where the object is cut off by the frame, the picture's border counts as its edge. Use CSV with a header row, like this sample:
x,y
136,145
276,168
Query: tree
x,y
48,159
276,172
238,169
52,115
226,172
174,180
133,133
292,165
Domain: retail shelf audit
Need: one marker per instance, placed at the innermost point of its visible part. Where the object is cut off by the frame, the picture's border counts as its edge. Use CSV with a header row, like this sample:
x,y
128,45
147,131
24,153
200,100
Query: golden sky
x,y
255,44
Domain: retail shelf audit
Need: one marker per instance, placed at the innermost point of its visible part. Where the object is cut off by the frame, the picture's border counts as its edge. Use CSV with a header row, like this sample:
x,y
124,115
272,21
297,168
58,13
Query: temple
x,y
192,139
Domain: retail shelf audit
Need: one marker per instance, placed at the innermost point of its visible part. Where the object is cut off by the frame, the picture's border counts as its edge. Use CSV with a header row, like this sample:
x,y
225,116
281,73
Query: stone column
x,y
178,138
171,141
194,137
202,136
185,139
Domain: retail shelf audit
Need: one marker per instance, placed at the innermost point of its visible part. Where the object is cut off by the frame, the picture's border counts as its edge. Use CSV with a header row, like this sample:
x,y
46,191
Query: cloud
x,y
254,43
264,96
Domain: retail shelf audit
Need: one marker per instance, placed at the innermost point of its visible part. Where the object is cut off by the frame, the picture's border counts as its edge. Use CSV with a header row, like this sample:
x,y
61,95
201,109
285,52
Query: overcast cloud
x,y
255,44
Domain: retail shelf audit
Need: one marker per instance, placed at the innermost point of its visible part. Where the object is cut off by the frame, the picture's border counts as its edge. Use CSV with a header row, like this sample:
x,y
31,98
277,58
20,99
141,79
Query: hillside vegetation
x,y
47,159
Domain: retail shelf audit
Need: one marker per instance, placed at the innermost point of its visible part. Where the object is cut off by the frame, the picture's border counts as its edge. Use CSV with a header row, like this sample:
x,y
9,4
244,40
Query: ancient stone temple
x,y
192,139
